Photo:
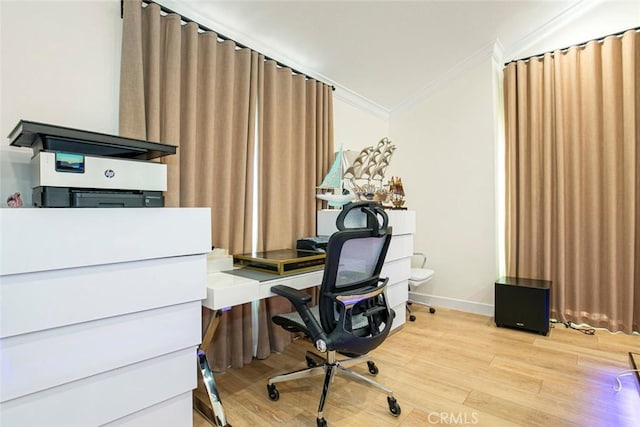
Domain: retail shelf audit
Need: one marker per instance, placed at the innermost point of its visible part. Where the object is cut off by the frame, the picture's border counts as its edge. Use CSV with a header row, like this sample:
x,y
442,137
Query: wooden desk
x,y
225,290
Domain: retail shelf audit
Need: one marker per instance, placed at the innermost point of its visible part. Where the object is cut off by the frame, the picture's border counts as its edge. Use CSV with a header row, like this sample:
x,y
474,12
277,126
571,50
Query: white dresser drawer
x,y
400,247
108,396
398,293
169,413
403,222
397,270
401,313
86,349
67,238
83,294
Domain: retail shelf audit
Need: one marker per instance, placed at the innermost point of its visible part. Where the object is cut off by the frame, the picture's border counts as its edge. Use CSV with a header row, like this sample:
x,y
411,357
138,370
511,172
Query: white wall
x,y
60,65
445,157
355,128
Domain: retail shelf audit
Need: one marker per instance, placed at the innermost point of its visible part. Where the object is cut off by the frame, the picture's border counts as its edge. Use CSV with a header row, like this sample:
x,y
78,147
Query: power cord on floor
x,y
586,331
618,386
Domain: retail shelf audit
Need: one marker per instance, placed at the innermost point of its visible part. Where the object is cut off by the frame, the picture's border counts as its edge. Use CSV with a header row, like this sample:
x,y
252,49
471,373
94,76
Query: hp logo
x,y
109,173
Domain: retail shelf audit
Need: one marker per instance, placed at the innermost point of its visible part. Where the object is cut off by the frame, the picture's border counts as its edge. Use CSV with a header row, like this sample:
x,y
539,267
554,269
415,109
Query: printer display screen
x,y
69,162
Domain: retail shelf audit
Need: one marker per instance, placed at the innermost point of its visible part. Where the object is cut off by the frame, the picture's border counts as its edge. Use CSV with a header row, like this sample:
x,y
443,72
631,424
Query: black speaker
x,y
522,304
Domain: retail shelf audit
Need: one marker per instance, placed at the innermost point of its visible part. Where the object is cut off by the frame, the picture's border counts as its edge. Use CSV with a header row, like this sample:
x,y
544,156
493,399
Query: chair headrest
x,y
377,219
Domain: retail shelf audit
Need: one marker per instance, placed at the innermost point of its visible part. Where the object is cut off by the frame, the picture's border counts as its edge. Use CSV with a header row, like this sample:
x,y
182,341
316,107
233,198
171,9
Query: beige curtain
x,y
573,179
183,87
296,150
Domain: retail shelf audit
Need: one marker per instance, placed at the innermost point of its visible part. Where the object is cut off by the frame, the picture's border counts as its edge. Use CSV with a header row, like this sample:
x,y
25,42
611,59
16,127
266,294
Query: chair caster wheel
x,y
321,422
273,392
373,369
432,310
394,408
412,318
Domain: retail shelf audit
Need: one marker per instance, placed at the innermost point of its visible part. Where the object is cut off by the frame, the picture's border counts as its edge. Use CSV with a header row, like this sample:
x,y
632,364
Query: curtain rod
x,y
599,39
223,37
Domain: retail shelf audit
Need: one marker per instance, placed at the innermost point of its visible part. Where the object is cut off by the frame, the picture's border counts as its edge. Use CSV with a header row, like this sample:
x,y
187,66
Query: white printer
x,y
77,168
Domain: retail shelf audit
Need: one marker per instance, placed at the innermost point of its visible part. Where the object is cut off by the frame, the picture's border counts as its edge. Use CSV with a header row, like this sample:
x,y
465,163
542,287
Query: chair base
x,y
329,367
412,317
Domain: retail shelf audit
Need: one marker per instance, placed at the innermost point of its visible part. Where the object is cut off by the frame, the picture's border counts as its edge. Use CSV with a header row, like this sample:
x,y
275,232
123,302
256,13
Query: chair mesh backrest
x,y
354,260
359,259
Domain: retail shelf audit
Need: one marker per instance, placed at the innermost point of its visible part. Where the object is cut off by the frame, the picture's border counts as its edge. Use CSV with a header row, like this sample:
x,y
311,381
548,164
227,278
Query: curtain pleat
x,y
572,171
631,67
296,150
296,136
131,114
183,87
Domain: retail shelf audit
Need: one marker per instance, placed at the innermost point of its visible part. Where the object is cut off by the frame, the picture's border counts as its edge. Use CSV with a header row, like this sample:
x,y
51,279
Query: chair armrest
x,y
294,295
422,256
348,299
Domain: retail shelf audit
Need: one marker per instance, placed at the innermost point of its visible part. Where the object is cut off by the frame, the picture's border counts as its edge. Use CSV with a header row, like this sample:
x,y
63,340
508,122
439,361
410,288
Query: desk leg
x,y
214,414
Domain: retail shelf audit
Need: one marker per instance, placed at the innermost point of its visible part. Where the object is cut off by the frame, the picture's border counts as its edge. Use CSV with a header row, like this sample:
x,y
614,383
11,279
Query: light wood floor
x,y
452,368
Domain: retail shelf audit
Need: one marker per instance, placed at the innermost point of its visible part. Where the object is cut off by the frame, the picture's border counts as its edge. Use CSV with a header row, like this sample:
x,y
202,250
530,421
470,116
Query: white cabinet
x,y
397,266
100,315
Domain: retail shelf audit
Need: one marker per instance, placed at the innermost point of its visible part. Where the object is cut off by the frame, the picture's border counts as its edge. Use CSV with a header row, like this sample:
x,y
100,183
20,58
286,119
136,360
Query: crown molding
x,y
495,50
359,101
188,9
479,55
343,93
498,53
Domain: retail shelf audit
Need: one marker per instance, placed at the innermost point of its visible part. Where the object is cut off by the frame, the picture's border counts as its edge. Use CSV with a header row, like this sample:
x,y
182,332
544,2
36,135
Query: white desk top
x,y
226,290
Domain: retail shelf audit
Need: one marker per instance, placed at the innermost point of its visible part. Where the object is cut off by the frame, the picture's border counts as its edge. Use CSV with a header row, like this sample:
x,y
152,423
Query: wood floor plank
x,y
452,368
512,411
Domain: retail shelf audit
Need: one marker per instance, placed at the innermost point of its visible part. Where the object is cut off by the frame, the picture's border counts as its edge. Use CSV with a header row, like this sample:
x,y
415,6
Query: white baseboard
x,y
453,304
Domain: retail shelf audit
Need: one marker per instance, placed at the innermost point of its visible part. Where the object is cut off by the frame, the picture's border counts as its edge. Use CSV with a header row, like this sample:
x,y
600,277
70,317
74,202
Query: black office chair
x,y
352,316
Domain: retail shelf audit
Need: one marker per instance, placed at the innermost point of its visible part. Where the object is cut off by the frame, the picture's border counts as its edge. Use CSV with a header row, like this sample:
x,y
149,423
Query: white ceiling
x,y
383,53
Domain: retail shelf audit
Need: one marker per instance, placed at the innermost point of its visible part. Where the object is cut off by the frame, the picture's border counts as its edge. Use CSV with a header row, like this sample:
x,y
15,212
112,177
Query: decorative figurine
x,y
396,190
14,200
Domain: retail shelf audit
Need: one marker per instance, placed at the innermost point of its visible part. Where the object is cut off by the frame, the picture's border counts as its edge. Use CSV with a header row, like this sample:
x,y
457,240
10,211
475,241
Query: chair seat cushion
x,y
292,322
421,274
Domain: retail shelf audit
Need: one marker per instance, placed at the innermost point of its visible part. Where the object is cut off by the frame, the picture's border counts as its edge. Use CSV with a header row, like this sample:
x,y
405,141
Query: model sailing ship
x,y
365,176
331,188
368,170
